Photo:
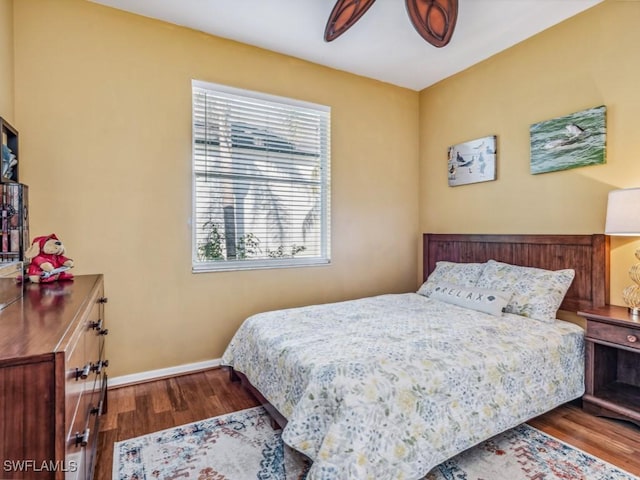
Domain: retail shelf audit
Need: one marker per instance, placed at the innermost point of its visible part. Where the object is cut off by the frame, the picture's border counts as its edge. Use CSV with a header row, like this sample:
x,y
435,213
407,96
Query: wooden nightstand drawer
x,y
628,337
612,356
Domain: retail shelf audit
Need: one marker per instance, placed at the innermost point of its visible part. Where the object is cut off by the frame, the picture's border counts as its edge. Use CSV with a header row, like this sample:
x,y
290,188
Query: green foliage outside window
x,y
247,246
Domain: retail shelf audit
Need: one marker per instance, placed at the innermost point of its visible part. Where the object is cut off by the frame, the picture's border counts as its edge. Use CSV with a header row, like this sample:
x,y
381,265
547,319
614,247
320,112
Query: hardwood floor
x,y
149,407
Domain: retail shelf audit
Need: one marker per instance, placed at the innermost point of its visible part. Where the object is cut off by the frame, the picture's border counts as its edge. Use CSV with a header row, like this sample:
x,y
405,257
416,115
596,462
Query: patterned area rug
x,y
242,445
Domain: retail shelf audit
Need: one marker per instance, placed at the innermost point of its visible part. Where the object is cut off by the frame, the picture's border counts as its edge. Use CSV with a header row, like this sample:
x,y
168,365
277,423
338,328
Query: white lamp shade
x,y
623,212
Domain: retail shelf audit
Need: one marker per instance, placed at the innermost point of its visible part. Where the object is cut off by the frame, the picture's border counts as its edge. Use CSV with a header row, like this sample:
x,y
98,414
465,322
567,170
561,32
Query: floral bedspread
x,y
388,387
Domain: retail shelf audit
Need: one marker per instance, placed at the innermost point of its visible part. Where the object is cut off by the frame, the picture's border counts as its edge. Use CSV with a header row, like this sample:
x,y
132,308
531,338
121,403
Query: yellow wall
x,y
103,105
587,61
6,60
102,102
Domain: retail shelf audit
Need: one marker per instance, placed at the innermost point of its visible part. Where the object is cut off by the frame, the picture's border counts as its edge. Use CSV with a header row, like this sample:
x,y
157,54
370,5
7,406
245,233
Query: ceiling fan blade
x,y
434,20
344,14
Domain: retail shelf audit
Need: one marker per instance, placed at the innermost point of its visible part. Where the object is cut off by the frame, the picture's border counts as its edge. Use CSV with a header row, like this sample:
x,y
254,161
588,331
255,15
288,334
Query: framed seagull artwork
x,y
472,162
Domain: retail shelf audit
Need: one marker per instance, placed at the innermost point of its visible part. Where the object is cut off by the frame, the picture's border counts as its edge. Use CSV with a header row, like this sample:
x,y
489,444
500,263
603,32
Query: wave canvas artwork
x,y
575,140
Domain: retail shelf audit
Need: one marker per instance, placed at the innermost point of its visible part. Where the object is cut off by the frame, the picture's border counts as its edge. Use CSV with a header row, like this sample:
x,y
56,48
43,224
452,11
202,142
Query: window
x,y
260,179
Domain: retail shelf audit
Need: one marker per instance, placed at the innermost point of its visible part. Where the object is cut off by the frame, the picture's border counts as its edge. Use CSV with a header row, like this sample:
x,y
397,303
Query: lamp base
x,y
634,312
631,294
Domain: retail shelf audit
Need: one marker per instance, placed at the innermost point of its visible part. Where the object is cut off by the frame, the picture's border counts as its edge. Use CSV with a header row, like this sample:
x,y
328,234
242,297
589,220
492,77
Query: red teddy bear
x,y
48,263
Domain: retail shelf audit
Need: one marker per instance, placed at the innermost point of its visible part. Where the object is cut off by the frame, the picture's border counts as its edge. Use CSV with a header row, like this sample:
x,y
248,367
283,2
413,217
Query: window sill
x,y
230,265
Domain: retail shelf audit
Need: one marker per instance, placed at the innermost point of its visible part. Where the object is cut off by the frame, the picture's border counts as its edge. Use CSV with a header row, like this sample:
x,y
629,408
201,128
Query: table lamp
x,y
623,219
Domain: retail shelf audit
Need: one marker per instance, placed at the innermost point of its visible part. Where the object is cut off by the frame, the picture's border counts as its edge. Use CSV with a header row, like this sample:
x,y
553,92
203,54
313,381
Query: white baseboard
x,y
162,373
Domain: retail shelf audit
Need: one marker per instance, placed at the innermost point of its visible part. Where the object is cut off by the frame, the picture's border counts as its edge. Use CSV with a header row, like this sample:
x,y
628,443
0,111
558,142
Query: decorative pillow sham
x,y
535,293
461,274
488,301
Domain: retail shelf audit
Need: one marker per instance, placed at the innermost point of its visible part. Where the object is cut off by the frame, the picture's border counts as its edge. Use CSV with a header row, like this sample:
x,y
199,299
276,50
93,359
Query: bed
x,y
388,387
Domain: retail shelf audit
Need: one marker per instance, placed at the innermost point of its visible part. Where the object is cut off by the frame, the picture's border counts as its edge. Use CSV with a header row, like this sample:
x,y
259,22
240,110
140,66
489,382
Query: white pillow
x,y
488,301
535,292
461,274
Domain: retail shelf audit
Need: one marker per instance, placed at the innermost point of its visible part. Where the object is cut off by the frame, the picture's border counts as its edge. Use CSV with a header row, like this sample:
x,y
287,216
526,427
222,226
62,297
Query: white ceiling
x,y
383,44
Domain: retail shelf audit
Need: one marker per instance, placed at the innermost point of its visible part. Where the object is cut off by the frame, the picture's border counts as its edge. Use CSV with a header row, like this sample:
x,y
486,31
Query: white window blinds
x,y
261,180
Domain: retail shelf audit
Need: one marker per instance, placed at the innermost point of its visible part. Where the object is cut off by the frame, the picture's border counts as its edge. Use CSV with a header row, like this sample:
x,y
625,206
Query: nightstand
x,y
612,364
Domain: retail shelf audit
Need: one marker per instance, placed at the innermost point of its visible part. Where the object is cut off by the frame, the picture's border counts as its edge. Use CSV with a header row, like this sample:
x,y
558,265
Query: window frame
x,y
324,257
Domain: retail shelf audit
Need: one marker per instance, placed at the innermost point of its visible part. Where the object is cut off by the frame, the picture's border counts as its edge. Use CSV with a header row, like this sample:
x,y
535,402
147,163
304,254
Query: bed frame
x,y
588,255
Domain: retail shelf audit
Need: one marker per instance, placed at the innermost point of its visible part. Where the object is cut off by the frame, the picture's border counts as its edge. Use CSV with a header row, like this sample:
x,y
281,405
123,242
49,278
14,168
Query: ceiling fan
x,y
434,20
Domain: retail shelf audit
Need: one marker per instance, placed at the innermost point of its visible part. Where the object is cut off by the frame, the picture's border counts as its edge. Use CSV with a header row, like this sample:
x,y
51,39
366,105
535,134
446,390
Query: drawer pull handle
x,y
632,338
96,325
97,367
81,439
103,300
97,410
84,373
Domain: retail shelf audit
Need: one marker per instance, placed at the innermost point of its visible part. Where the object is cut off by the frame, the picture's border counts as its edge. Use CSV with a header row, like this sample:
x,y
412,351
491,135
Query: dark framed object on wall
x,y
9,165
14,221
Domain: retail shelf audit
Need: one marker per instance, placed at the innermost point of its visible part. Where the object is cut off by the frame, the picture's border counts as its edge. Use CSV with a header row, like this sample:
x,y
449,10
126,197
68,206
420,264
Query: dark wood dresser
x,y
52,379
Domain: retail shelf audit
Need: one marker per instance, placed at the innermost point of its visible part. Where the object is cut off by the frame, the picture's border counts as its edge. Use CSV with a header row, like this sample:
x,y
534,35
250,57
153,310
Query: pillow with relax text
x,y
534,292
488,301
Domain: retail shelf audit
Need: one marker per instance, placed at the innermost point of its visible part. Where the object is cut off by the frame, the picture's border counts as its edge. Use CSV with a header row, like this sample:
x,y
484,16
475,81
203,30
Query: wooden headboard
x,y
588,255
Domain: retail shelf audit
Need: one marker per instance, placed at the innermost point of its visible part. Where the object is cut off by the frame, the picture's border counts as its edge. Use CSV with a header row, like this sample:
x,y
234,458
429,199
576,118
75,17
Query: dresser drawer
x,y
83,366
100,405
78,372
82,440
628,337
96,333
